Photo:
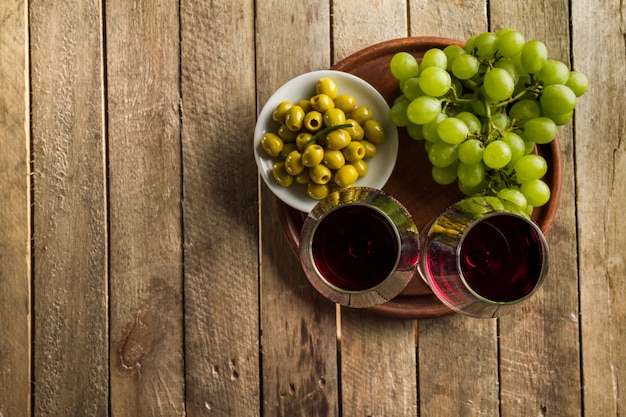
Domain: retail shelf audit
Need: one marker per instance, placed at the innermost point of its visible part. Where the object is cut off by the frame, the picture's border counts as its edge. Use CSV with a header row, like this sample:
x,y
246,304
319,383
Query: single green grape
x,y
442,154
524,110
430,130
553,72
533,56
435,81
471,151
465,67
509,42
498,84
403,66
445,175
471,175
423,110
434,57
530,167
501,121
578,82
452,130
415,131
497,154
398,112
411,88
540,130
485,45
537,192
558,99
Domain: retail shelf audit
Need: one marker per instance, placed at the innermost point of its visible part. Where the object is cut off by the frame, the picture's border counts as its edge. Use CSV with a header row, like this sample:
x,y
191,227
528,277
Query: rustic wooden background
x,y
143,268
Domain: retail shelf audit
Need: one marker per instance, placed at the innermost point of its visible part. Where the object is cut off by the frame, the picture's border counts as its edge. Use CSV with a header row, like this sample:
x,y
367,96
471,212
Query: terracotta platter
x,y
411,182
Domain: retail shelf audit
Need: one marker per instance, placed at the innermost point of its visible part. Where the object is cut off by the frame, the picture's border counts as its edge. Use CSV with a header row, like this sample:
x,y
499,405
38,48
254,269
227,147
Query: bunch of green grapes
x,y
482,108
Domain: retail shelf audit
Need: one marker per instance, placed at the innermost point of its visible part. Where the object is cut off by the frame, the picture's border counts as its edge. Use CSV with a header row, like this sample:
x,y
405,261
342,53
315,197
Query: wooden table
x,y
143,267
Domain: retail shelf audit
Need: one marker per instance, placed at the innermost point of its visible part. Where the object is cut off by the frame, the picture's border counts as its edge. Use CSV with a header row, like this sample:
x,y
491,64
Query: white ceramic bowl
x,y
303,87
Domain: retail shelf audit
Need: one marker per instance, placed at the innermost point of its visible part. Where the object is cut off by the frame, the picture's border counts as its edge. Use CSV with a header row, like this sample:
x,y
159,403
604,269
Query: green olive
x,y
312,155
279,113
303,177
320,174
322,103
303,140
317,191
374,131
355,131
291,146
346,175
334,159
337,139
370,149
345,102
272,144
361,167
305,104
326,86
361,114
286,135
294,118
313,121
334,117
281,176
293,163
354,151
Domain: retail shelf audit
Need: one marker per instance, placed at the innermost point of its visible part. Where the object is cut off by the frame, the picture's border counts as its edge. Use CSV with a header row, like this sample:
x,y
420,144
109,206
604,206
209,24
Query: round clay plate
x,y
411,182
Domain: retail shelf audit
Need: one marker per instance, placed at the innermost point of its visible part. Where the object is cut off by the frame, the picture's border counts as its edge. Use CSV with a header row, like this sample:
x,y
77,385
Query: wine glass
x,y
482,257
359,247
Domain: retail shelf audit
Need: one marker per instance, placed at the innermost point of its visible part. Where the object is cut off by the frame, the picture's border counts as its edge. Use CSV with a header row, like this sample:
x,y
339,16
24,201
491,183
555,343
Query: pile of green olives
x,y
322,142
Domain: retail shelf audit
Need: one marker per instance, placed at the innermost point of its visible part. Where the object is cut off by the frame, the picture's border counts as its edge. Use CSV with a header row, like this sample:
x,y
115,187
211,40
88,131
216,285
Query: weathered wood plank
x,y
15,264
220,179
299,341
69,226
455,19
146,317
600,125
458,375
377,353
539,344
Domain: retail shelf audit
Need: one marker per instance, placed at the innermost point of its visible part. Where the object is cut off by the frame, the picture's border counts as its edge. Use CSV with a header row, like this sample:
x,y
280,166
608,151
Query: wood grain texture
x,y
598,50
69,225
539,344
455,19
299,339
146,313
458,367
377,358
15,262
219,177
356,27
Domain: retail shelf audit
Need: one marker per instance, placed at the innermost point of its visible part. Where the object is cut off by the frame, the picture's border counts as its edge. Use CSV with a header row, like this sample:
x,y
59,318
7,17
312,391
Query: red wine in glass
x,y
359,247
481,263
355,247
